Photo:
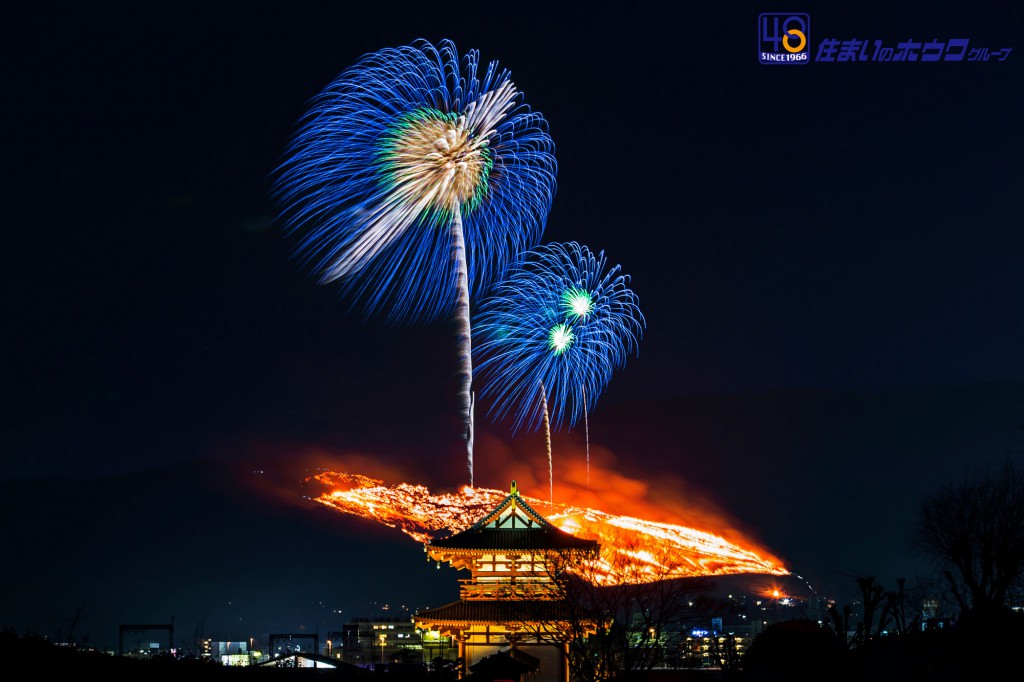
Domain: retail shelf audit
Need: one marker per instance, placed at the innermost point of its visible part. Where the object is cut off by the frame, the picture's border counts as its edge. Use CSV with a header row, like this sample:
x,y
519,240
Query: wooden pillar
x,y
463,667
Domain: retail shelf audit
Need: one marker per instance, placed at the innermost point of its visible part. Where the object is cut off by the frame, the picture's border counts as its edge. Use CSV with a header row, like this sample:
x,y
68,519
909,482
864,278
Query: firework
x,y
413,180
553,334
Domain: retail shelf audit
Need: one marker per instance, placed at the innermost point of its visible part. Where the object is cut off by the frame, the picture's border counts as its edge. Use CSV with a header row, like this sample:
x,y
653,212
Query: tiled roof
x,y
514,525
512,500
514,539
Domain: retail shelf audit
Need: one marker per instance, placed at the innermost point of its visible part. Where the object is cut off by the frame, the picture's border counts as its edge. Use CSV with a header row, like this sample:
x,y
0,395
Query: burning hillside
x,y
665,550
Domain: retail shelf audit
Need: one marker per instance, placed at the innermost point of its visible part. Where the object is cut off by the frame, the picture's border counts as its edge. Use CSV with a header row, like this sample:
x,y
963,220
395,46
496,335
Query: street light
x,y
382,638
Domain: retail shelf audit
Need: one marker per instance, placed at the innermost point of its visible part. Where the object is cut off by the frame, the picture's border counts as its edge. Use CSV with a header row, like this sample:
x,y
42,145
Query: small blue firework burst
x,y
555,330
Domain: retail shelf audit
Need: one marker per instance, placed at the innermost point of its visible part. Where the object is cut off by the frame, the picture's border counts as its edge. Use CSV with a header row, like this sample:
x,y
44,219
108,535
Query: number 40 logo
x,y
784,38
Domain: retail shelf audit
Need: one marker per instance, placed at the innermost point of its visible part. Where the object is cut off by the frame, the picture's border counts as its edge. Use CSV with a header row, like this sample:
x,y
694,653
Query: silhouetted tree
x,y
894,610
75,620
974,531
793,648
889,607
872,596
620,617
840,623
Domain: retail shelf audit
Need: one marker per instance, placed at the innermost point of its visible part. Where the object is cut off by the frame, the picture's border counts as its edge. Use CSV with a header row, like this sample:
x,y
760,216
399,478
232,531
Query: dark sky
x,y
836,226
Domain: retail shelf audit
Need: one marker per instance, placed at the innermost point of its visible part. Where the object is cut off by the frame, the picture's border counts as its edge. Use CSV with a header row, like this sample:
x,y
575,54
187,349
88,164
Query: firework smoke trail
x,y
412,182
586,432
547,441
470,435
465,337
561,324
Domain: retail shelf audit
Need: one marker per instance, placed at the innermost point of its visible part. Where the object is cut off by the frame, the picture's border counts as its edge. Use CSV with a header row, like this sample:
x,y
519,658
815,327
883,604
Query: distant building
x,y
508,611
381,642
708,649
228,653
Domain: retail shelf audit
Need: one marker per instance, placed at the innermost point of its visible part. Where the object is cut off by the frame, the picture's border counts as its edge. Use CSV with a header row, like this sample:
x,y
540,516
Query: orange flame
x,y
664,550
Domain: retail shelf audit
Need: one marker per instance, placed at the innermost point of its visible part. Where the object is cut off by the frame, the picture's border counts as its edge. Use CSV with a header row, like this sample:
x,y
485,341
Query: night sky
x,y
828,256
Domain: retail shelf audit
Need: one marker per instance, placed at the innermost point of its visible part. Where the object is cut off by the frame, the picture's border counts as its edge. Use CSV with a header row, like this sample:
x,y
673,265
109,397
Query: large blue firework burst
x,y
402,150
413,180
553,333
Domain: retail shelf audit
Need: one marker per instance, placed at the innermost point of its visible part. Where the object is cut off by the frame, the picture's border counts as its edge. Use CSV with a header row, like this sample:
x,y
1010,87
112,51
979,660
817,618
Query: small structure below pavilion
x,y
511,609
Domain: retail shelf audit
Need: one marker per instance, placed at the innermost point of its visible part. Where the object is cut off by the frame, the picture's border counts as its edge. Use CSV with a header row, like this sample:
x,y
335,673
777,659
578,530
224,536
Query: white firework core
x,y
439,162
435,161
581,304
561,338
443,159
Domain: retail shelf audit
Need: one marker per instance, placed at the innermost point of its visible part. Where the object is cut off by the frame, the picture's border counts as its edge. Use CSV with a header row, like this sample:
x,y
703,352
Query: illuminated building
x,y
369,642
229,653
717,650
510,608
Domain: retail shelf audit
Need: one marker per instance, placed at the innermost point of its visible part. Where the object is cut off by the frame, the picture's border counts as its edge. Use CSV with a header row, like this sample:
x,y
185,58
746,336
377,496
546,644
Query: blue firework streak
x,y
412,181
394,153
556,330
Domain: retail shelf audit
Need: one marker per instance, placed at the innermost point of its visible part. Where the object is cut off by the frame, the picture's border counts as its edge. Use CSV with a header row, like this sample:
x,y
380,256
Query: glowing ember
x,y
666,550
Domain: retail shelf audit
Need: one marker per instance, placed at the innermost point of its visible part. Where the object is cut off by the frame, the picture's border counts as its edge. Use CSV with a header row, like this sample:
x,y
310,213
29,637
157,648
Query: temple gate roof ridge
x,y
513,498
513,525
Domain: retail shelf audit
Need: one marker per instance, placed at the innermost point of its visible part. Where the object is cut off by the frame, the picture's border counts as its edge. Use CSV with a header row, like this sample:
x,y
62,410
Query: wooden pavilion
x,y
512,601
